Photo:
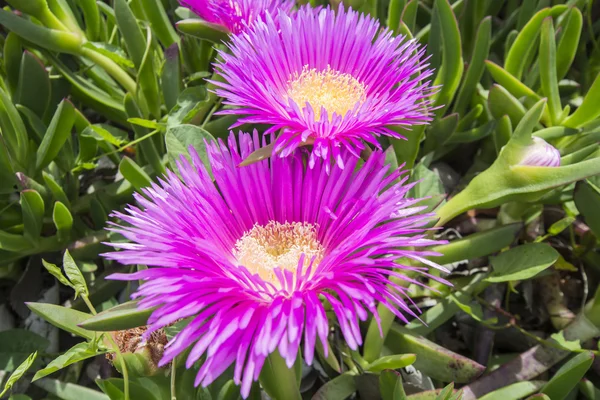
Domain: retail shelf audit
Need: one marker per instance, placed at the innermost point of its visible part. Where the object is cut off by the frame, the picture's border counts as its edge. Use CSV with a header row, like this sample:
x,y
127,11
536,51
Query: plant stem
x,y
112,68
173,379
123,366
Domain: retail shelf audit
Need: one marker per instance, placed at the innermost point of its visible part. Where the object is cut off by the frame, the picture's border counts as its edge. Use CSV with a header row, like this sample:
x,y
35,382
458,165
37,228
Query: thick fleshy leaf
x,y
134,173
57,134
390,386
339,387
63,221
392,362
124,316
69,391
32,206
515,391
567,377
33,91
65,318
432,359
203,30
587,200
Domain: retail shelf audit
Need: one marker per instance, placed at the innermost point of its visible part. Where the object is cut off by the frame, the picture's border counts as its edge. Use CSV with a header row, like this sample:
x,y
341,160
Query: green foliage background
x,y
97,100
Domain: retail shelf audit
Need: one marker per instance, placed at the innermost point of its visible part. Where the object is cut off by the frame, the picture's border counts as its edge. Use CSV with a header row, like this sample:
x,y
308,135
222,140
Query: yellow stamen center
x,y
335,91
264,248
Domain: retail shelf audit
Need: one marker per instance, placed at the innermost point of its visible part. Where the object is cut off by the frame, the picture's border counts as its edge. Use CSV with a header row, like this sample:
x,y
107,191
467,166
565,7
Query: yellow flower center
x,y
264,248
335,91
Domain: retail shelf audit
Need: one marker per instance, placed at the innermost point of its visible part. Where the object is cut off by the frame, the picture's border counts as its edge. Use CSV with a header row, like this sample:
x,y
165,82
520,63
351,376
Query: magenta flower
x,y
236,15
331,79
251,256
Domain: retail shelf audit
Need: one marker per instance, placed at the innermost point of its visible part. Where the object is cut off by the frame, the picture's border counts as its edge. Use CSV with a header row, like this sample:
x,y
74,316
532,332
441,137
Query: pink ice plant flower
x,y
236,15
254,257
333,79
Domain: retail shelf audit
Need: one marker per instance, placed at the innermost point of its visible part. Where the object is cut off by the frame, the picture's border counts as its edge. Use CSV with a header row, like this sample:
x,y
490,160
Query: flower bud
x,y
540,154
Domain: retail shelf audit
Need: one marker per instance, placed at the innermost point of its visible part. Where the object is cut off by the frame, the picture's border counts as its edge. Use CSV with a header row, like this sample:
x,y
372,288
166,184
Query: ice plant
x,y
252,256
331,79
236,15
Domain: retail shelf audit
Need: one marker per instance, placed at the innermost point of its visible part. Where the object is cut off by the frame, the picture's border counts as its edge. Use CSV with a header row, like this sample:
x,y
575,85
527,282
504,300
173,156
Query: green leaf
x,y
12,53
587,200
13,243
33,91
14,132
340,387
69,391
98,132
569,42
204,30
121,317
391,362
278,380
131,32
92,19
171,76
18,373
115,53
74,274
114,387
429,185
480,244
66,319
407,150
32,206
567,377
571,345
588,110
63,221
147,148
517,390
57,273
522,262
547,67
517,56
452,65
476,66
433,360
390,386
180,138
146,123
79,352
189,103
57,134
147,79
501,103
395,14
56,189
134,173
50,39
588,390
159,20
16,345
